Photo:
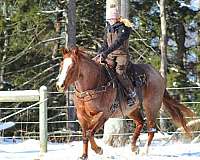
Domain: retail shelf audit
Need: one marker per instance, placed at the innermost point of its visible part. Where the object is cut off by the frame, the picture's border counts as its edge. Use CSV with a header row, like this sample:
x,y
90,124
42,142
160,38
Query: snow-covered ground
x,y
29,150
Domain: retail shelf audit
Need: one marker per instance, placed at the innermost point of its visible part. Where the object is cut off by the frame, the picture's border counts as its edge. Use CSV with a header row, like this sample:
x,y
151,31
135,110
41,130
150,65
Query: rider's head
x,y
112,16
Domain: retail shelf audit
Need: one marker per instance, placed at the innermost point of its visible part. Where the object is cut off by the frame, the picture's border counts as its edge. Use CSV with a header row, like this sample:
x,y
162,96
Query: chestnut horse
x,y
95,94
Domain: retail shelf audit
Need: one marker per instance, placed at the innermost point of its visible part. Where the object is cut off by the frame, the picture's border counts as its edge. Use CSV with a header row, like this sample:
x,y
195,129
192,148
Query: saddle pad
x,y
137,74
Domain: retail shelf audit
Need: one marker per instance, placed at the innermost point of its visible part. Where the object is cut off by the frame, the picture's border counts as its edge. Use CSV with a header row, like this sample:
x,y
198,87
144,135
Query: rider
x,y
115,48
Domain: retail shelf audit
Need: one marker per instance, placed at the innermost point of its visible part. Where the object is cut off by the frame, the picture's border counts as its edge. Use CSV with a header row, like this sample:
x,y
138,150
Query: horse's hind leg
x,y
138,119
151,131
151,107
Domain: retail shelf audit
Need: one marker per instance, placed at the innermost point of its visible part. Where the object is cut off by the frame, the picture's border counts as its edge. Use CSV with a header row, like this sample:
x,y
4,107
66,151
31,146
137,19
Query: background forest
x,y
33,31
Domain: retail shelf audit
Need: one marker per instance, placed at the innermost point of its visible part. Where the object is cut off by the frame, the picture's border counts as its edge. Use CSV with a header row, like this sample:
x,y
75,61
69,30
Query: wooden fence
x,y
39,96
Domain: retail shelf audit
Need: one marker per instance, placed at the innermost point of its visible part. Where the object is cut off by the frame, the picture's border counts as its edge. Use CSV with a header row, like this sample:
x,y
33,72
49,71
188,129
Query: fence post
x,y
43,119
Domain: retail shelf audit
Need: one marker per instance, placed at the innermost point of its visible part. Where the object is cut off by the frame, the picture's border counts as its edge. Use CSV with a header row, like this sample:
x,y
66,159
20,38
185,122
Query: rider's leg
x,y
121,66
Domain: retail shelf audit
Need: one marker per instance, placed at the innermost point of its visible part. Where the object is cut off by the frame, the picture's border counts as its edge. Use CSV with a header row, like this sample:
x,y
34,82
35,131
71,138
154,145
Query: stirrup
x,y
130,102
132,94
131,98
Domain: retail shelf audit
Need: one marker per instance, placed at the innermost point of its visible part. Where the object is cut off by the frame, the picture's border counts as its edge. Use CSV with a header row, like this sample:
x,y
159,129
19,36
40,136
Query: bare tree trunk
x,y
5,49
71,23
124,8
163,47
57,26
180,40
70,42
114,127
114,130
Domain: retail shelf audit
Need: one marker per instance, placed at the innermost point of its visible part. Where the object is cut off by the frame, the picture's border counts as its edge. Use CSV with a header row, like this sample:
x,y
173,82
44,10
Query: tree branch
x,y
142,39
38,75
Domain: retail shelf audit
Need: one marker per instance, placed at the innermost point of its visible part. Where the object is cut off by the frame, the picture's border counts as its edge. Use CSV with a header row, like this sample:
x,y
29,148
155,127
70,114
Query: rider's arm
x,y
123,34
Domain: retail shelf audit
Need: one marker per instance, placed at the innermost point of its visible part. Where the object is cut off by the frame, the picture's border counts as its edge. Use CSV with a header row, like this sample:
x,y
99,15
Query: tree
x,y
28,63
114,127
6,20
71,23
70,42
32,36
163,48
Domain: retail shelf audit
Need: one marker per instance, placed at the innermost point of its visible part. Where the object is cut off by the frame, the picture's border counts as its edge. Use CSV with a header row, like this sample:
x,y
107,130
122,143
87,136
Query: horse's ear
x,y
75,50
64,51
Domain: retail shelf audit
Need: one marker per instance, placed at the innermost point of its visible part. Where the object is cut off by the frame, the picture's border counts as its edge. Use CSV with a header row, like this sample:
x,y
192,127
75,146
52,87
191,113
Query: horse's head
x,y
69,69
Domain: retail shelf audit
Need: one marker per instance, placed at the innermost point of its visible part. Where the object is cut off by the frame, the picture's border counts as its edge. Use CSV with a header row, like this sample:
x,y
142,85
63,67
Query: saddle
x,y
137,76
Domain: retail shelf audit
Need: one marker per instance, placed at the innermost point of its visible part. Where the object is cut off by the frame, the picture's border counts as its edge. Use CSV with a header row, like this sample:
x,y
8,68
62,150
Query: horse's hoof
x,y
99,151
83,157
135,149
144,152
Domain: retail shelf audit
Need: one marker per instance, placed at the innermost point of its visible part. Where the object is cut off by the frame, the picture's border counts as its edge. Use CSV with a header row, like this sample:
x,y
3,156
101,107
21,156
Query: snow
x,y
195,5
6,125
29,150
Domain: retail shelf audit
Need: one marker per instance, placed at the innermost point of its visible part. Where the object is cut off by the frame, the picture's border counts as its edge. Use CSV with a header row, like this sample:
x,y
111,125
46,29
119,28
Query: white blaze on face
x,y
61,77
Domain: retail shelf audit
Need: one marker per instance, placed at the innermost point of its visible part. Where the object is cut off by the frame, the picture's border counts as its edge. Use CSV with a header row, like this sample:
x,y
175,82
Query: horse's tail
x,y
177,111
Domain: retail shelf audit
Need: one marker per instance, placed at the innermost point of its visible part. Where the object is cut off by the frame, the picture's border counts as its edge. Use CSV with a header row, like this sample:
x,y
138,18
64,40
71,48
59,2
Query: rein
x,y
91,94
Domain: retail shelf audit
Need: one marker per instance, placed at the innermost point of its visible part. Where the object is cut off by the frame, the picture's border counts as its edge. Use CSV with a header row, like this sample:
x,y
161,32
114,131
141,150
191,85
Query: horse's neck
x,y
91,75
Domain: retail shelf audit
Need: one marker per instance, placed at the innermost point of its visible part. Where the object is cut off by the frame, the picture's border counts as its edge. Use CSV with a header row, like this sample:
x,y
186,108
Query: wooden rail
x,y
30,96
19,96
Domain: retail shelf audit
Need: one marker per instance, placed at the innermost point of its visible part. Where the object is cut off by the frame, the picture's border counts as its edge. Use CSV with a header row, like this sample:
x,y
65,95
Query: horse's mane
x,y
84,54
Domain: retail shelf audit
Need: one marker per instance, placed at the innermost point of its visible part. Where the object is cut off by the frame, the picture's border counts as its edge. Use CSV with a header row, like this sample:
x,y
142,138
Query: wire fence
x,y
62,120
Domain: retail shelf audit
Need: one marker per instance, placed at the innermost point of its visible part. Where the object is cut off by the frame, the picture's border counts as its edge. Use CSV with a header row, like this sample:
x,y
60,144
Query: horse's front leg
x,y
84,120
85,138
97,122
94,146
